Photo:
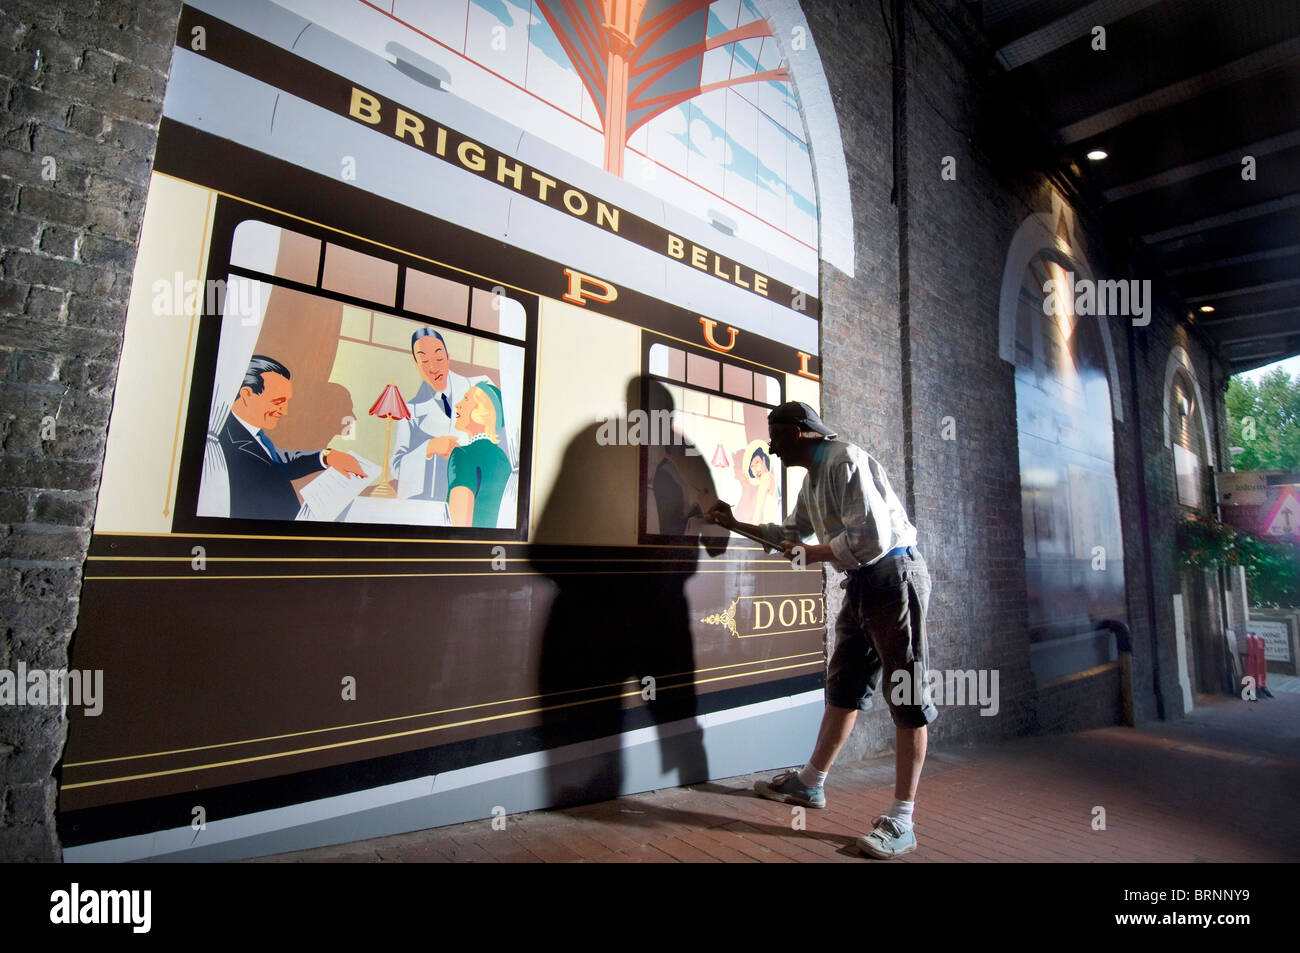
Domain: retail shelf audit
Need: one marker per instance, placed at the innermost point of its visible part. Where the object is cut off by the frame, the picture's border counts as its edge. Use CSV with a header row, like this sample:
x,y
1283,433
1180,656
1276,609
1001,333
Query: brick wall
x,y
860,341
82,87
967,488
1091,699
927,349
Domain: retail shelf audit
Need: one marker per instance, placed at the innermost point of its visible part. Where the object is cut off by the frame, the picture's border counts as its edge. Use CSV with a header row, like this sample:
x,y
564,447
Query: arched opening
x,y
1187,435
1188,446
1186,429
1074,553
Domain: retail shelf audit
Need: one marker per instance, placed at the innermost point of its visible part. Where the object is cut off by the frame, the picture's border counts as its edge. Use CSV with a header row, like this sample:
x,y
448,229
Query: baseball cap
x,y
798,414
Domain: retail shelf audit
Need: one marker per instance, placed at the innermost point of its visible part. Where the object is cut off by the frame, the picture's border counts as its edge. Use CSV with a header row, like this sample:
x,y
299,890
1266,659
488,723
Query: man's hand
x,y
720,513
440,446
344,463
815,553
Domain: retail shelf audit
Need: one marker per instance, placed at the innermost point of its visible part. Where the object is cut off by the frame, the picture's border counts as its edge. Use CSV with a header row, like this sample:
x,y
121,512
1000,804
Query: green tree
x,y
1264,419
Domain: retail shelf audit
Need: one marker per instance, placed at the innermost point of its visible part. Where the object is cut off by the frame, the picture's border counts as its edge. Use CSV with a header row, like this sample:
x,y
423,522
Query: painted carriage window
x,y
717,447
328,406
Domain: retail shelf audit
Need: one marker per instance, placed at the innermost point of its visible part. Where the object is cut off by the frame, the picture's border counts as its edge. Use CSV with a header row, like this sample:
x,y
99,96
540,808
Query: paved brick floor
x,y
1220,785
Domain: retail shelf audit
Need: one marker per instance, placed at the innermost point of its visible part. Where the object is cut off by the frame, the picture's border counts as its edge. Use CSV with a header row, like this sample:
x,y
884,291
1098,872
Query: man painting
x,y
862,530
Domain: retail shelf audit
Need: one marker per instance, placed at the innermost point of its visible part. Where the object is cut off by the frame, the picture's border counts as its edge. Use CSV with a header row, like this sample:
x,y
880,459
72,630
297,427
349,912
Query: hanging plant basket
x,y
1272,567
1205,543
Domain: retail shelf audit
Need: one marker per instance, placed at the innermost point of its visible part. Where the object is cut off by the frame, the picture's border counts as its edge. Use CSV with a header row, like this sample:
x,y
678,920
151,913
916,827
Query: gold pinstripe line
x,y
400,734
410,559
391,539
760,635
426,575
426,714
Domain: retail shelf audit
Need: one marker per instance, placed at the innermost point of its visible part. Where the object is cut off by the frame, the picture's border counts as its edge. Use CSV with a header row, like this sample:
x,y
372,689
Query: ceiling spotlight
x,y
1207,308
1096,155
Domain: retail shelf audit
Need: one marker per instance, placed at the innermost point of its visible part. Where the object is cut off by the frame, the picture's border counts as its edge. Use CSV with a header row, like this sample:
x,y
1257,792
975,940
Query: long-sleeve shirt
x,y
847,502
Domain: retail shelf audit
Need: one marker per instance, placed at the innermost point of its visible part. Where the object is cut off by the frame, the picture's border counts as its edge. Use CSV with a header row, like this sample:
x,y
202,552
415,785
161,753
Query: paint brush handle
x,y
696,510
757,539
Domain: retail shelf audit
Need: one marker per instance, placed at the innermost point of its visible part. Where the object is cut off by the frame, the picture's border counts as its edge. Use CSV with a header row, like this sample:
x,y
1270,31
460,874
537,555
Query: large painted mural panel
x,y
447,328
1074,548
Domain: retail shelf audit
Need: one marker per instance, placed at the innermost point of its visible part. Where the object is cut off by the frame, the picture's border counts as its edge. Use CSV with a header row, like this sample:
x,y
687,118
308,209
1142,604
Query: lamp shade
x,y
390,404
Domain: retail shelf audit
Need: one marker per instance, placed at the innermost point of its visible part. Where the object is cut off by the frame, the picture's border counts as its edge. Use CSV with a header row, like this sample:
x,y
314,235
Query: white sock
x,y
901,811
811,777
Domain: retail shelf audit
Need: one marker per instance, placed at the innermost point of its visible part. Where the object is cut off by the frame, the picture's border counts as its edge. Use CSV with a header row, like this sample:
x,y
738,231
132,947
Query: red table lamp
x,y
390,406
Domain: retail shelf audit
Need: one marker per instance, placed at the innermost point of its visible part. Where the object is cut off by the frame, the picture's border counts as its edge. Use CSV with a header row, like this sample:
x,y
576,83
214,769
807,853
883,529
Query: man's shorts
x,y
880,631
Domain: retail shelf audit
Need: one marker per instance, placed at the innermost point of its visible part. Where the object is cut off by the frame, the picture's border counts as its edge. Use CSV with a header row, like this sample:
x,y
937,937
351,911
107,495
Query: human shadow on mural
x,y
616,651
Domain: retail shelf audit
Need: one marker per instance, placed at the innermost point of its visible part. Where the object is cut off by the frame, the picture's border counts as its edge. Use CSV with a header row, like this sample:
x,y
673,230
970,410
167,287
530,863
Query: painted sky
x,y
744,144
736,156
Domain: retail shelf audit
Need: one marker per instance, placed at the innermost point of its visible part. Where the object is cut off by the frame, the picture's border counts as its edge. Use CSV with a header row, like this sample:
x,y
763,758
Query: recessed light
x,y
1207,308
1096,155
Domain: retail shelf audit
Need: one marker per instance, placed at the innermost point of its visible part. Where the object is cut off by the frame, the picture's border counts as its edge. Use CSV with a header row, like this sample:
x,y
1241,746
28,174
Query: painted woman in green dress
x,y
477,473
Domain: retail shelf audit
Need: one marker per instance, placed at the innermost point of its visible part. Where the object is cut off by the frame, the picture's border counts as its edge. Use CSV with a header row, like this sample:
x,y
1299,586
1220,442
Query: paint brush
x,y
697,511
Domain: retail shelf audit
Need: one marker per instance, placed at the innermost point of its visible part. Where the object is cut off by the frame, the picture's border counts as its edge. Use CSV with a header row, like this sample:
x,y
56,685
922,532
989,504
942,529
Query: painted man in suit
x,y
426,440
261,474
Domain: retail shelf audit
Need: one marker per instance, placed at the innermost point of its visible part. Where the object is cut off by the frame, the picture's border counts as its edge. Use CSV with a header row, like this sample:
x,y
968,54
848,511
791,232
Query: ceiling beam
x,y
1252,64
1068,28
1259,359
1286,251
1191,170
1264,353
1235,342
1249,289
1227,218
1211,324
